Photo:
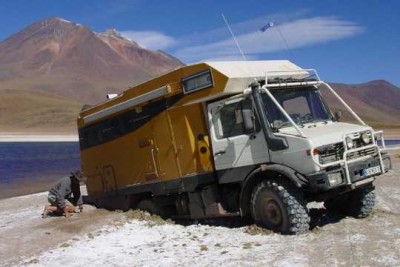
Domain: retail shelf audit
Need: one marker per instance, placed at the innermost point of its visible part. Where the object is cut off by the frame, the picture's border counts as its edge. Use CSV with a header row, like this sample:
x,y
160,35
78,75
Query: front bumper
x,y
320,181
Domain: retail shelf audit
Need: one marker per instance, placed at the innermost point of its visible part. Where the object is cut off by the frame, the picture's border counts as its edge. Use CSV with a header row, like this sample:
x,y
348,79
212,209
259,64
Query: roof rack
x,y
292,78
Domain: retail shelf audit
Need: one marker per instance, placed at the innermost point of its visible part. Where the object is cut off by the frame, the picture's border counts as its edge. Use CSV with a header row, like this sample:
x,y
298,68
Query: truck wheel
x,y
362,201
149,206
358,203
279,206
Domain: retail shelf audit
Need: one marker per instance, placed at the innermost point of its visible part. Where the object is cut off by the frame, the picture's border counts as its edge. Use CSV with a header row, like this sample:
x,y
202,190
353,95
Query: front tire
x,y
358,203
279,206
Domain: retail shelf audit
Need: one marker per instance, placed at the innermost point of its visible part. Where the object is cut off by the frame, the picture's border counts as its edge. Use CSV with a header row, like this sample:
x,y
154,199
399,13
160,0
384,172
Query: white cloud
x,y
152,40
297,33
237,57
239,28
217,44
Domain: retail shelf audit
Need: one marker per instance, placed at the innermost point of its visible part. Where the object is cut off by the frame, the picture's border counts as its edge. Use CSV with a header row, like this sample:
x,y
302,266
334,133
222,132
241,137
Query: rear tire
x,y
149,206
279,206
358,203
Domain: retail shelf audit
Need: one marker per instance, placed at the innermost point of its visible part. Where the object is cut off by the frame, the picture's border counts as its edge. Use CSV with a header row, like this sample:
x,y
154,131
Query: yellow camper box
x,y
236,138
157,131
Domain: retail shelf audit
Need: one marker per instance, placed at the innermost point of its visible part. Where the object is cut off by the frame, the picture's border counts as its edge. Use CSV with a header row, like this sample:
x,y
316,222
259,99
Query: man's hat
x,y
78,175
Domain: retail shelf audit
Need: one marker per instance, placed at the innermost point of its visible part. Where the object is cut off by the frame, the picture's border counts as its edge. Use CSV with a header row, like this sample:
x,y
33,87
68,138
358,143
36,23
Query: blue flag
x,y
267,26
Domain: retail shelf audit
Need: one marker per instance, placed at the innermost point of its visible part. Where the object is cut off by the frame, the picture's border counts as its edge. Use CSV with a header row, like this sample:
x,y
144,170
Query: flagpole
x,y
270,25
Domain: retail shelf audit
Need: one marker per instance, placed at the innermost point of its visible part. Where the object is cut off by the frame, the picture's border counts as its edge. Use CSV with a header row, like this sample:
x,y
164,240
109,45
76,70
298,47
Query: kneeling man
x,y
60,198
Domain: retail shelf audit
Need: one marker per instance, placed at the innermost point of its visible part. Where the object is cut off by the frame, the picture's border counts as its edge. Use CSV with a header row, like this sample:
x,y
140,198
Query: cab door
x,y
234,143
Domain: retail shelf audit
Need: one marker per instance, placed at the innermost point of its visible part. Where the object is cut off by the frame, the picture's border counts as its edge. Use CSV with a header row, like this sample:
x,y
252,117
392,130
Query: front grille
x,y
330,153
358,143
334,152
366,152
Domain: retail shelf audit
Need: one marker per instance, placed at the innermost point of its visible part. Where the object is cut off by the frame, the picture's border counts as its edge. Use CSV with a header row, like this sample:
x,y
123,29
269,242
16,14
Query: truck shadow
x,y
319,217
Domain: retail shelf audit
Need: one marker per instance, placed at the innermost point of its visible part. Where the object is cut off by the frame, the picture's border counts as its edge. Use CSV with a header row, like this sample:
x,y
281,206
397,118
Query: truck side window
x,y
231,119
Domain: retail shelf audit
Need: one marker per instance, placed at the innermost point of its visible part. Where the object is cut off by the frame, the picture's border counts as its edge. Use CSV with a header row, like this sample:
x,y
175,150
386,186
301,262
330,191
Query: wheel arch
x,y
261,173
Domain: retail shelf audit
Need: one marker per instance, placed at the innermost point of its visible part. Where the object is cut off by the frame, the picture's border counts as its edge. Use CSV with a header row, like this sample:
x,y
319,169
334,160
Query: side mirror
x,y
338,115
248,121
276,124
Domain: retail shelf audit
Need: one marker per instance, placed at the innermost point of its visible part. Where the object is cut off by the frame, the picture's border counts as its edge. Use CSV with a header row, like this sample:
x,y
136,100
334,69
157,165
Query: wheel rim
x,y
272,213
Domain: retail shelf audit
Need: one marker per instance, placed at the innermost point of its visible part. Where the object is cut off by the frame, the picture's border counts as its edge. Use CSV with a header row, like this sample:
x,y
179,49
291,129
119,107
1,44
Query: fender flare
x,y
256,177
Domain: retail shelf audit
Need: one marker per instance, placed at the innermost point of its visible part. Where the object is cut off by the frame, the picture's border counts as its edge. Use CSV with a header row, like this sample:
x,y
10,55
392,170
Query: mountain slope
x,y
36,112
66,59
377,102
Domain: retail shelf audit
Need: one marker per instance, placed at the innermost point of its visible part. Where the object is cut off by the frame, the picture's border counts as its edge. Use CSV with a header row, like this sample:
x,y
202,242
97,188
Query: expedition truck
x,y
216,139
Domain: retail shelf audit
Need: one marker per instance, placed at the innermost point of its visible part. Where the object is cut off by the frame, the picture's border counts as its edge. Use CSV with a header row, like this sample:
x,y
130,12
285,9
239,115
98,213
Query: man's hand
x,y
66,213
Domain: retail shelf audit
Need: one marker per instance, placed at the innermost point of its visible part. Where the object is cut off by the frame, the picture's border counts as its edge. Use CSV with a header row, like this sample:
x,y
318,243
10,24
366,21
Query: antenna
x,y
234,38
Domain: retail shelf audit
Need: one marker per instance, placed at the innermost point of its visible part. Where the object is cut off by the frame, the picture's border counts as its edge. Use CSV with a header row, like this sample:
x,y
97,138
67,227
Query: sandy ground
x,y
24,233
102,238
391,133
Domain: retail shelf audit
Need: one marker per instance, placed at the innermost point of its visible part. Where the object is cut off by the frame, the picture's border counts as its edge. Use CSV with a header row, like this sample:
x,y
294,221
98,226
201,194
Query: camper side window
x,y
232,121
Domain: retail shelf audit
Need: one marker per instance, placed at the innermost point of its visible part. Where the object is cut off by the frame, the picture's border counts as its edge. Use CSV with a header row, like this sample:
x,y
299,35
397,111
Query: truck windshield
x,y
303,106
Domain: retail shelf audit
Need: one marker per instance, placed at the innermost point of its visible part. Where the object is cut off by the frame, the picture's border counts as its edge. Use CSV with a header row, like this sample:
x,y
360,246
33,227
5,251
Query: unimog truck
x,y
253,139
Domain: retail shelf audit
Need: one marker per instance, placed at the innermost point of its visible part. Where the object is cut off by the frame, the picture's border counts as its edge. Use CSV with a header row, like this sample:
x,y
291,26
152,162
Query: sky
x,y
345,41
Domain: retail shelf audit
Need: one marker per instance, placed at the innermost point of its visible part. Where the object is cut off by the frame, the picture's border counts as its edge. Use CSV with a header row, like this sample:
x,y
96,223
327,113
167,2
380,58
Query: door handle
x,y
219,153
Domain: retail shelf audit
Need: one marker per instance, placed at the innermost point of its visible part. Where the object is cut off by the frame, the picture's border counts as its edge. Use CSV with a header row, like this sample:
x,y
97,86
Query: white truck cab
x,y
283,125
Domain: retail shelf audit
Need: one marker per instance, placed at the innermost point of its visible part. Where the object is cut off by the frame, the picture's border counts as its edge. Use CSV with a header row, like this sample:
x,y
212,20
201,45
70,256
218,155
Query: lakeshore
x,y
37,137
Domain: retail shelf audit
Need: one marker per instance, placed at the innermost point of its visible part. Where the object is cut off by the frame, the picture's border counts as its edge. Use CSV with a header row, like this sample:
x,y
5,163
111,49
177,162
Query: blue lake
x,y
34,166
391,142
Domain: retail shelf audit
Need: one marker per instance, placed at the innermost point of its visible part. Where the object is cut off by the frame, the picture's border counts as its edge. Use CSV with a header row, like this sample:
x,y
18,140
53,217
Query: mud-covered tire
x,y
279,206
149,206
362,202
358,203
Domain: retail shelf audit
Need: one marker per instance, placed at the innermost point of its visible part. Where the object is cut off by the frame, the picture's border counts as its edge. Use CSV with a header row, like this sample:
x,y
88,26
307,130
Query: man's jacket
x,y
63,190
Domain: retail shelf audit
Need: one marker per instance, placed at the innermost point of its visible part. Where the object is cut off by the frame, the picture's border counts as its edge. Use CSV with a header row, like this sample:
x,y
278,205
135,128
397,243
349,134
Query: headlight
x,y
366,138
335,178
349,143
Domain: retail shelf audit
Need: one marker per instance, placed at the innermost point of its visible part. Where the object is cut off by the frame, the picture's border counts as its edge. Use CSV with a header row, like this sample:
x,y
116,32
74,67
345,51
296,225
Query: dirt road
x,y
99,237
